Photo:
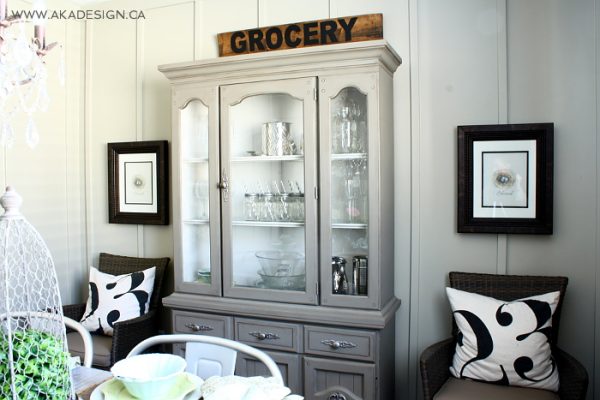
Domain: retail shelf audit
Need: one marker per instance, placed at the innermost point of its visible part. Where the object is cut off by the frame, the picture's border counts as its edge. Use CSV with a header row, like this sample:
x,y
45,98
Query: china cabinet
x,y
283,211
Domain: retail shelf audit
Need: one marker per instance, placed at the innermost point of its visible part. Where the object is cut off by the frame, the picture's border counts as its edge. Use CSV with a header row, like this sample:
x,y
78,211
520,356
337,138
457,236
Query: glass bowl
x,y
203,276
287,282
280,263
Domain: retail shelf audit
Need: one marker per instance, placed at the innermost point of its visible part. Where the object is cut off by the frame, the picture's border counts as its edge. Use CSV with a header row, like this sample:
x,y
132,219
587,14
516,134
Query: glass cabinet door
x,y
268,184
195,178
349,270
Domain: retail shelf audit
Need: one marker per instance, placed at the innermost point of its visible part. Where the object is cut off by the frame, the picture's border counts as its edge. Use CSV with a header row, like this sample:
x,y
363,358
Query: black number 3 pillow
x,y
115,298
504,342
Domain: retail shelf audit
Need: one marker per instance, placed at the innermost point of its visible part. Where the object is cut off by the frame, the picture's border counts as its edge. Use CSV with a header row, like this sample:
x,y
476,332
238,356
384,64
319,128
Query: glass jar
x,y
296,206
268,212
251,207
260,206
283,207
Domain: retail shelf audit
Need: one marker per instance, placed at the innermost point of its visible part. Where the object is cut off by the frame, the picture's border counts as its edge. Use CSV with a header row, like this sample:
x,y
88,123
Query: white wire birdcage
x,y
34,358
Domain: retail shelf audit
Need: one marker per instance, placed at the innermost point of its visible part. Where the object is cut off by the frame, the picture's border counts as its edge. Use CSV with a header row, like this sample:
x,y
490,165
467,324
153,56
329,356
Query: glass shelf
x,y
259,285
274,224
336,225
196,221
348,156
295,157
195,160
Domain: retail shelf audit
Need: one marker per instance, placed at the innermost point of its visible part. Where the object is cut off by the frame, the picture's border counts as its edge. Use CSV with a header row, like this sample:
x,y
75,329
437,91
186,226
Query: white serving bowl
x,y
149,376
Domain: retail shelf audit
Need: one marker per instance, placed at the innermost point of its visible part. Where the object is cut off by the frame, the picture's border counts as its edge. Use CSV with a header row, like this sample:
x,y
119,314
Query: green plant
x,y
41,367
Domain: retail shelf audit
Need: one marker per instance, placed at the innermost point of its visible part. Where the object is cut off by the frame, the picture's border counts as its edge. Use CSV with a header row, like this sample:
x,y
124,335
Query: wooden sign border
x,y
355,28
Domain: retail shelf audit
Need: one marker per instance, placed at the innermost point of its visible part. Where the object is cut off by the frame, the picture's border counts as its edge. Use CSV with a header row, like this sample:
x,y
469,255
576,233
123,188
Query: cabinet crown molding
x,y
324,58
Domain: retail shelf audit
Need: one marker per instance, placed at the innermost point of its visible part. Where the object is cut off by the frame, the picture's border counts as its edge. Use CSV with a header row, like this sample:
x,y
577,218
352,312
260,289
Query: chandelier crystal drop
x,y
23,73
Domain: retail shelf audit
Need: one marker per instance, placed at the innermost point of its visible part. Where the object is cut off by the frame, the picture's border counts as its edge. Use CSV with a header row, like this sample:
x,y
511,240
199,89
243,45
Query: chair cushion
x,y
115,298
465,389
506,343
102,348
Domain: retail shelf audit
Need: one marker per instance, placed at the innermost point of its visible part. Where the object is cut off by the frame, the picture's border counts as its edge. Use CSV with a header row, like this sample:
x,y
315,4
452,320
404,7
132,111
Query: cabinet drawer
x,y
269,335
336,379
346,343
202,324
289,365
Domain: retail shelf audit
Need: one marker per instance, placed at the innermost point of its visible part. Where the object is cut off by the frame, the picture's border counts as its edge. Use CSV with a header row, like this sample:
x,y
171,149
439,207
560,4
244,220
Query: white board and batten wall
x,y
50,176
464,62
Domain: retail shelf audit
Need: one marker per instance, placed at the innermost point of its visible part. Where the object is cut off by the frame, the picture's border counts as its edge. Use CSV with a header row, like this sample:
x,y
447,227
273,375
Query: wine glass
x,y
357,127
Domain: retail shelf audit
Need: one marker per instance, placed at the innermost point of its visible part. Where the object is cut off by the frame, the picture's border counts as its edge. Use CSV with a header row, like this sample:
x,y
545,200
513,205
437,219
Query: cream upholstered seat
x,y
460,389
101,345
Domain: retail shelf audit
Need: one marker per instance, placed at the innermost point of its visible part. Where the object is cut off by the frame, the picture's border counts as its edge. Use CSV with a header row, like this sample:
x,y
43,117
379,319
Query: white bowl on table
x,y
149,376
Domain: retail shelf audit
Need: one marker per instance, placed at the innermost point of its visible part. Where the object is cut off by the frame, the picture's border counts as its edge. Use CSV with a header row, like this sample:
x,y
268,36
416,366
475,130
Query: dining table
x,y
86,379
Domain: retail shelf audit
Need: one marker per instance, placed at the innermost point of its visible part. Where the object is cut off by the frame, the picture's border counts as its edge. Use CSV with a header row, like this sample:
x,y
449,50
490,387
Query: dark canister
x,y
359,274
339,280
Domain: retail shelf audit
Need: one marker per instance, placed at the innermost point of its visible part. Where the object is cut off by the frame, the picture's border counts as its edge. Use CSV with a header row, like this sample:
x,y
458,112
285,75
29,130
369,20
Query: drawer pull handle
x,y
337,396
199,328
338,344
264,336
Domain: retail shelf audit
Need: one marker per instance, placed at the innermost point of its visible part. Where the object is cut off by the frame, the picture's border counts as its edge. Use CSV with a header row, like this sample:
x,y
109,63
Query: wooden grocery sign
x,y
302,34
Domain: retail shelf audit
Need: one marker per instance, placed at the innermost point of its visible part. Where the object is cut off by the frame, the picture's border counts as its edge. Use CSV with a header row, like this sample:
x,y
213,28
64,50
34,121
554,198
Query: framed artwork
x,y
505,178
138,182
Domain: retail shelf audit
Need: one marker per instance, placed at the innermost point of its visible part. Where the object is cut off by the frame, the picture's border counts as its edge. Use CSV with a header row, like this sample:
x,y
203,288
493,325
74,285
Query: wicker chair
x,y
127,334
436,359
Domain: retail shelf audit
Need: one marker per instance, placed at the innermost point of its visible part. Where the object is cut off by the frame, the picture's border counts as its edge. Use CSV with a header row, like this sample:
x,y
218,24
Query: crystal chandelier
x,y
23,72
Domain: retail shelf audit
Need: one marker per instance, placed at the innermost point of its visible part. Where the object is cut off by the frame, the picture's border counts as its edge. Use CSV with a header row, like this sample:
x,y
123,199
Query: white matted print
x,y
504,179
138,183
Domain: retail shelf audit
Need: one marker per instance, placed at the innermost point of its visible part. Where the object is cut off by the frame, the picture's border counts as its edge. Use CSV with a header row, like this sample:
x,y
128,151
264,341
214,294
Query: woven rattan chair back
x,y
509,288
119,265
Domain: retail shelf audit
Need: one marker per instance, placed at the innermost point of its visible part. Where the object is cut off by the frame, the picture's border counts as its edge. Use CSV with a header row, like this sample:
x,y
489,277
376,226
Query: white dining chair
x,y
219,358
206,360
88,343
70,323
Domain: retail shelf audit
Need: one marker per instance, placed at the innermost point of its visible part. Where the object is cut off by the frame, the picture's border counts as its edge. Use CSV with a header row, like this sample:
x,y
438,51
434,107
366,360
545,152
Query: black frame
x,y
115,215
543,134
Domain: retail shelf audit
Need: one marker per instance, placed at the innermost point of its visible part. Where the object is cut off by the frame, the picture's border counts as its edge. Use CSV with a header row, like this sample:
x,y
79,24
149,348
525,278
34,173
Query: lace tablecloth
x,y
241,388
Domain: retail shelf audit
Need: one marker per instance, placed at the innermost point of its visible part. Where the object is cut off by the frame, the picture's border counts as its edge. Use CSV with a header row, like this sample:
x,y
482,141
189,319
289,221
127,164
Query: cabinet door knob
x,y
337,344
199,328
337,396
224,186
264,335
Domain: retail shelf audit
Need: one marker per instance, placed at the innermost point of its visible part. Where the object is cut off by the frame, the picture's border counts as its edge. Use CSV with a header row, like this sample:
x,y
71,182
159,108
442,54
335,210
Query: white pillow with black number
x,y
116,298
506,343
